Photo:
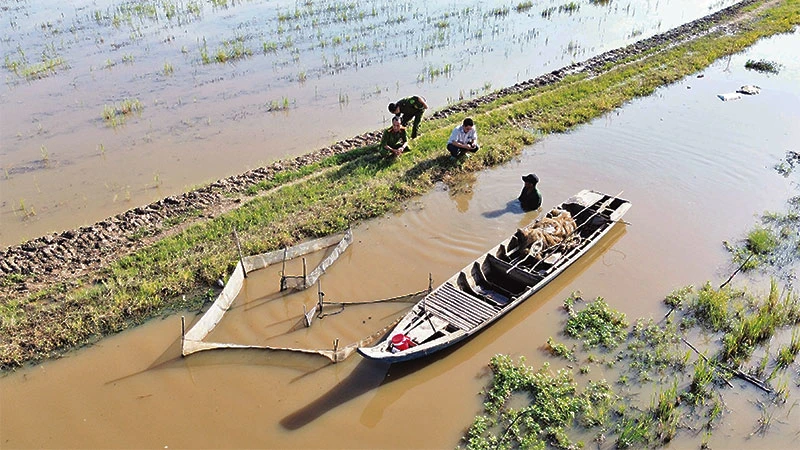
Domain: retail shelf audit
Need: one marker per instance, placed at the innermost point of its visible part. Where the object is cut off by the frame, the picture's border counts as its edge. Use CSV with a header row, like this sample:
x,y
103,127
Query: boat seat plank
x,y
459,308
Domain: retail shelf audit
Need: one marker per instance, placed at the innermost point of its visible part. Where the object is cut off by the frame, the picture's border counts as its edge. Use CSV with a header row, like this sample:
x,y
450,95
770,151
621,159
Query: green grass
x,y
762,66
357,186
115,115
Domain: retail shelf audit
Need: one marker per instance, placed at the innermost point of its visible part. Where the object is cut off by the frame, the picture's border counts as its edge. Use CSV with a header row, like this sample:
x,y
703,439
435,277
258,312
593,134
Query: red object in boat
x,y
401,342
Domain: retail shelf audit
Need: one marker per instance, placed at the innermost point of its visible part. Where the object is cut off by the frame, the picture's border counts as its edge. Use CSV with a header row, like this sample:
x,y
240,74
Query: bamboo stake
x,y
239,248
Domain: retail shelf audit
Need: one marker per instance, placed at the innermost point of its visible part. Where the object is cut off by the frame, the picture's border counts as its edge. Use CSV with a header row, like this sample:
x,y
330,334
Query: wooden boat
x,y
502,278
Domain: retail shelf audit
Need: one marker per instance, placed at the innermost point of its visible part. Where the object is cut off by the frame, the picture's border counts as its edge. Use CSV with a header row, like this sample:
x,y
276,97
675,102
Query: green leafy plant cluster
x,y
596,324
529,408
762,66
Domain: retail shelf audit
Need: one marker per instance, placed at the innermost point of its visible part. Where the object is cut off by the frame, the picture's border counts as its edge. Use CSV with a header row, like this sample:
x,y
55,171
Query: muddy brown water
x,y
698,171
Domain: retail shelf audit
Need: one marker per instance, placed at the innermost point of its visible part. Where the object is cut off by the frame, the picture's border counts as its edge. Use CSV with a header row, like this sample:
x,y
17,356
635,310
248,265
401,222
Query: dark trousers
x,y
458,151
417,117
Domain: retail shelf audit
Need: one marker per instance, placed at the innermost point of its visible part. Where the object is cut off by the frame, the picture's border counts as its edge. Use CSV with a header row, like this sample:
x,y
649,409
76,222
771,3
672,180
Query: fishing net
x,y
556,228
194,339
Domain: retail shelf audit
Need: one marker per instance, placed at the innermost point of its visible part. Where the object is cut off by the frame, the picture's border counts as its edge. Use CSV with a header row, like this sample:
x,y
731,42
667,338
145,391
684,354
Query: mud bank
x,y
73,253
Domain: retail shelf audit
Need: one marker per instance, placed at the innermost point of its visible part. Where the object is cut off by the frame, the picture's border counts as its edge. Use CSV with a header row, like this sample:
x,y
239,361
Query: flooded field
x,y
698,171
111,105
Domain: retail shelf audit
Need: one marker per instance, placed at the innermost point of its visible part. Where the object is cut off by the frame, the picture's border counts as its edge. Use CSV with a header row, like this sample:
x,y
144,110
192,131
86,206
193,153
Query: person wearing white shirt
x,y
464,138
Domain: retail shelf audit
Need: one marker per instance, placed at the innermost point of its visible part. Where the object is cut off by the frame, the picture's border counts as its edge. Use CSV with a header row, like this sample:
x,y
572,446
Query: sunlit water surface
x,y
698,171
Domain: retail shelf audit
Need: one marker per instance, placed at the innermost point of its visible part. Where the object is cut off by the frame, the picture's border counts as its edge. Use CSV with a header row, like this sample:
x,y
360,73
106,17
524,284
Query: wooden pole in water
x,y
183,332
320,296
305,277
283,270
239,248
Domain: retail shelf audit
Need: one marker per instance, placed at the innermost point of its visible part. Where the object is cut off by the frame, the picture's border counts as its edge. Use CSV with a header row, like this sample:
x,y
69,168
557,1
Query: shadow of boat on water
x,y
371,375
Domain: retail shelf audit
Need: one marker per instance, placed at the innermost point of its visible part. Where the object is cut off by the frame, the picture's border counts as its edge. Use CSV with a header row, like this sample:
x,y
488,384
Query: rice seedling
x,y
45,154
699,388
633,432
168,69
269,47
499,12
524,6
26,210
761,241
665,414
788,353
115,114
279,105
764,421
571,7
710,307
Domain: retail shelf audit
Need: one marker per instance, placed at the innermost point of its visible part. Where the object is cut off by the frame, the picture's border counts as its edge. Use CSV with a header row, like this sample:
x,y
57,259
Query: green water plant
x,y
115,115
596,324
762,66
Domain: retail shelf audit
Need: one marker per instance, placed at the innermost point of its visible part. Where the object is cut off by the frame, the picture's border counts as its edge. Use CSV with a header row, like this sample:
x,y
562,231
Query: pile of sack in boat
x,y
557,227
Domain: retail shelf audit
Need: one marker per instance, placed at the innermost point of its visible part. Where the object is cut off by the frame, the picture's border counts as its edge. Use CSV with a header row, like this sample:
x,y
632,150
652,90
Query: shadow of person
x,y
512,206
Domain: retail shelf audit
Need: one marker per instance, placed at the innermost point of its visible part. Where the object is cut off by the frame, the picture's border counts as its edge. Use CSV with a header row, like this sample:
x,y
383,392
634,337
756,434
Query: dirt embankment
x,y
71,253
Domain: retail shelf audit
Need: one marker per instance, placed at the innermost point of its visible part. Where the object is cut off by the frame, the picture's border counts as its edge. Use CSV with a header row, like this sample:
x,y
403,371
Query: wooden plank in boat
x,y
459,308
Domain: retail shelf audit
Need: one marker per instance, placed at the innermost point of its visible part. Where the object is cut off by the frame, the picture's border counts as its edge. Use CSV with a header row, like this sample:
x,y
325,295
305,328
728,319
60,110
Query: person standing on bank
x,y
409,108
464,138
394,138
530,198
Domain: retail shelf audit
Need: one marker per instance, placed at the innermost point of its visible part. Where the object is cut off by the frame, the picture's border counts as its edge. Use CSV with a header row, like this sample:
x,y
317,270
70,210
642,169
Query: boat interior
x,y
495,280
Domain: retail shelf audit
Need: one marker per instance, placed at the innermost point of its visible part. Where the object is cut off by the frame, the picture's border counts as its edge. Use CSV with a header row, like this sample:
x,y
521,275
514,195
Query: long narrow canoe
x,y
502,278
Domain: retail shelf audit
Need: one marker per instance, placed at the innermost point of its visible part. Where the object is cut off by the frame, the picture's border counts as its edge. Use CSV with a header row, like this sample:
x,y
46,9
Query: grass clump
x,y
653,349
116,114
763,66
772,244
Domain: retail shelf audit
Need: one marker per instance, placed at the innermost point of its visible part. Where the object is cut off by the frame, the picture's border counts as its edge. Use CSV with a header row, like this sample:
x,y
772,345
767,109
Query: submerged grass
x,y
529,408
355,186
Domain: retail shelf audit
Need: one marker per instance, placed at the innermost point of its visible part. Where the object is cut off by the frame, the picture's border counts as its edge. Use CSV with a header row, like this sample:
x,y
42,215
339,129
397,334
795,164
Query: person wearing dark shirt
x,y
409,108
530,198
394,138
